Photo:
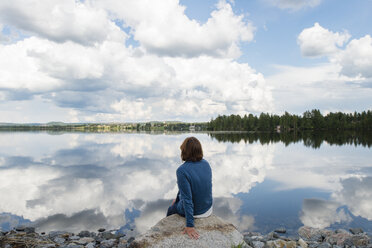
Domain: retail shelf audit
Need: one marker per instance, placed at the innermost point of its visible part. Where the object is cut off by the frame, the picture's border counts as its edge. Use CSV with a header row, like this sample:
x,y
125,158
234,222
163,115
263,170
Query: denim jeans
x,y
173,208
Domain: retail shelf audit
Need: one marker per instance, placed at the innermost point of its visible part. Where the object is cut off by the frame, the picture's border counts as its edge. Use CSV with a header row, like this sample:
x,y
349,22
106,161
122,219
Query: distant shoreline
x,y
310,121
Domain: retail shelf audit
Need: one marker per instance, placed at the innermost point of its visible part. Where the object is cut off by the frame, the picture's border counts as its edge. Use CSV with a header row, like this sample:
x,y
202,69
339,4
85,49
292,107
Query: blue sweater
x,y
194,181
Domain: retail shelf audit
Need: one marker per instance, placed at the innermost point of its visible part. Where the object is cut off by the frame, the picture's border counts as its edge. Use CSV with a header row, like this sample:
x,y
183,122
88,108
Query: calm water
x,y
84,181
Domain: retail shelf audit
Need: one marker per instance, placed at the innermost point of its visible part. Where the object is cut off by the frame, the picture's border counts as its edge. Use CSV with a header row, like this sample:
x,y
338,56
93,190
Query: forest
x,y
310,120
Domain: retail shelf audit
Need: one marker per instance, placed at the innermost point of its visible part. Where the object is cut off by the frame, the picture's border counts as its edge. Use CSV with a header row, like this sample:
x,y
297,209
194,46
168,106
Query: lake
x,y
85,181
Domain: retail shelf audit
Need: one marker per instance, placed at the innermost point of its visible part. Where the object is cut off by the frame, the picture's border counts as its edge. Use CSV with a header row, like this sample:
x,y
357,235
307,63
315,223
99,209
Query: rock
x,y
30,229
258,244
338,238
20,228
356,230
324,245
90,245
108,243
59,240
271,236
130,240
341,231
123,241
302,243
280,244
46,246
98,239
101,230
84,234
67,235
54,234
20,234
74,237
280,230
357,240
312,244
250,234
119,235
107,235
213,231
248,240
72,245
258,238
313,234
85,240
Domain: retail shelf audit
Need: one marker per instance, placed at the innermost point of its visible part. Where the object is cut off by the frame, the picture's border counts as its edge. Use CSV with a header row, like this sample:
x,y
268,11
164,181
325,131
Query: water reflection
x,y
356,193
309,139
121,181
350,205
322,213
225,207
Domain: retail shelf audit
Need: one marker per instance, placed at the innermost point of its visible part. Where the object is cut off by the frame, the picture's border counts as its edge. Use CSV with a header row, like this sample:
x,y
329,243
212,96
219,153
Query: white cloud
x,y
91,73
318,41
132,110
340,84
20,71
354,61
294,4
68,61
60,21
320,86
190,107
71,75
224,81
162,28
356,58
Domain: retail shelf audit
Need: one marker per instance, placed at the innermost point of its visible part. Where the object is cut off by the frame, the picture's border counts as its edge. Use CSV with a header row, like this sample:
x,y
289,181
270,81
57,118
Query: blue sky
x,y
95,60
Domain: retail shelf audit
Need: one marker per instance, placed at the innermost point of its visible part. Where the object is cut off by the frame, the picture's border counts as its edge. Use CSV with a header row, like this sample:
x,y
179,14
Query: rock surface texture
x,y
168,232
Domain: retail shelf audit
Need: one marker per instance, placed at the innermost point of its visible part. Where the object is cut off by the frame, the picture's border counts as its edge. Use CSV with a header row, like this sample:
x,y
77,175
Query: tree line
x,y
310,120
313,139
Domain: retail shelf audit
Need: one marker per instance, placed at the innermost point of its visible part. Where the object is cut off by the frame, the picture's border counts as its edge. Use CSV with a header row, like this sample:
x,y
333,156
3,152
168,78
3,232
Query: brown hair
x,y
191,150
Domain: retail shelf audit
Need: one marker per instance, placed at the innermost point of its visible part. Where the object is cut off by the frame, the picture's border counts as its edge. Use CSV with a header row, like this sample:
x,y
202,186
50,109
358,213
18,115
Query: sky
x,y
186,60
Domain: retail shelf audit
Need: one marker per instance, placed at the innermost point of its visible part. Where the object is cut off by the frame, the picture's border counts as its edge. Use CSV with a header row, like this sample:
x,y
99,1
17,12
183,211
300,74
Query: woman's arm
x,y
186,196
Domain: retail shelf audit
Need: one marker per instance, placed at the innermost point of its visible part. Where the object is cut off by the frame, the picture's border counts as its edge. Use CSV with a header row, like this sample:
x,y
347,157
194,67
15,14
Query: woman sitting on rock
x,y
194,180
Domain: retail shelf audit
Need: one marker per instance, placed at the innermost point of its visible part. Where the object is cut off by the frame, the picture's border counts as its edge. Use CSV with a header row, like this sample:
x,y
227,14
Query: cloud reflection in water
x,y
90,183
87,181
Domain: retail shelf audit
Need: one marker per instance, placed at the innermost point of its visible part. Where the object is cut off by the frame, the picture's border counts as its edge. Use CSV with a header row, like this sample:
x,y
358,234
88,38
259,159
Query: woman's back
x,y
198,175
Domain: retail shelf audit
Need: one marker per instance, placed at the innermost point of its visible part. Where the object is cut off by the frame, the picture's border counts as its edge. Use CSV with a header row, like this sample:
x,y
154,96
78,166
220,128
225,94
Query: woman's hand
x,y
193,234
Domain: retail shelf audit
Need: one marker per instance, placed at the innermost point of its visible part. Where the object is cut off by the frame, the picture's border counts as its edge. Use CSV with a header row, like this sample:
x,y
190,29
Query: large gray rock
x,y
168,232
313,234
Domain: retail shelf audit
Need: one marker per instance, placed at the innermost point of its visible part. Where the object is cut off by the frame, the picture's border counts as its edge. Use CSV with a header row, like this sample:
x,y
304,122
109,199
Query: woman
x,y
194,180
